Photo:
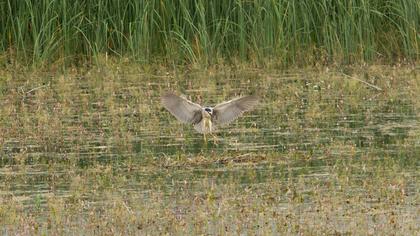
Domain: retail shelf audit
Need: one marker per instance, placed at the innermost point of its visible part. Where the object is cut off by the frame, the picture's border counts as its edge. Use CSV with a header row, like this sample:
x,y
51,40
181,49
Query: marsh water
x,y
89,140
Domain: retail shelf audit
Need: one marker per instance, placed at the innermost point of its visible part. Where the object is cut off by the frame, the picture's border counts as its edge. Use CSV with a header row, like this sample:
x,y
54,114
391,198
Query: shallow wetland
x,y
92,151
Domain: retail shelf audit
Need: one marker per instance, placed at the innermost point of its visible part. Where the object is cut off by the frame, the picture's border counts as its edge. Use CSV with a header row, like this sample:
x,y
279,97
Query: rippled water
x,y
57,128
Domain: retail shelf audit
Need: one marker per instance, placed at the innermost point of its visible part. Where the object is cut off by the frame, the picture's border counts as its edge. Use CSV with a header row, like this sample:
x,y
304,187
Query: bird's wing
x,y
184,110
226,112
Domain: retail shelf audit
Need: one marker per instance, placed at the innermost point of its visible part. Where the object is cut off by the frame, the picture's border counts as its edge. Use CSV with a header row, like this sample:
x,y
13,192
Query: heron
x,y
207,119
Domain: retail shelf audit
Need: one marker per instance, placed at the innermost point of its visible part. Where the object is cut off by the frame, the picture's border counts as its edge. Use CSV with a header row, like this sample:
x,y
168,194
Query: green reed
x,y
283,32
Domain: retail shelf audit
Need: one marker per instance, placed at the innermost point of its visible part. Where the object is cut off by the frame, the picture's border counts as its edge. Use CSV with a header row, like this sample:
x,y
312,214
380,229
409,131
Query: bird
x,y
207,119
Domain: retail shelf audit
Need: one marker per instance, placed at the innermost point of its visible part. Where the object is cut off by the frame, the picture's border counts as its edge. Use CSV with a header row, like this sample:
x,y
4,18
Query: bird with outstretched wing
x,y
207,119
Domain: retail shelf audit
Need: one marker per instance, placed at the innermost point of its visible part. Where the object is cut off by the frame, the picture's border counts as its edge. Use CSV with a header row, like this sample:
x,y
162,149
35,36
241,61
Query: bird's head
x,y
209,110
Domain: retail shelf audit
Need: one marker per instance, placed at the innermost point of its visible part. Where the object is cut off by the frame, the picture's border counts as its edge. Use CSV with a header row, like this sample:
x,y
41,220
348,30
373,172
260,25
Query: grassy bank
x,y
282,32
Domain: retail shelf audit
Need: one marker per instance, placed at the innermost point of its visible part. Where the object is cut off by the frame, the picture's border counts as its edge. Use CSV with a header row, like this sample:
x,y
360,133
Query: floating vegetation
x,y
92,151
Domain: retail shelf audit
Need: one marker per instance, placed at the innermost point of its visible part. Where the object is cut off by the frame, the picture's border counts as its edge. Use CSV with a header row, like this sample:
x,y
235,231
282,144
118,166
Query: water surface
x,y
85,142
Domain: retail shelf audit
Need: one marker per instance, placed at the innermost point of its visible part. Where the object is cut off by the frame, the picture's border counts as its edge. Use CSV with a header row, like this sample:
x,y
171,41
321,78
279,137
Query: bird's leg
x,y
205,139
215,139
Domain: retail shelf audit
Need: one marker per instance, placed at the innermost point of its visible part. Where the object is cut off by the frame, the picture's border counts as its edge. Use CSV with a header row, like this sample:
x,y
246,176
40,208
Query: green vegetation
x,y
86,147
283,33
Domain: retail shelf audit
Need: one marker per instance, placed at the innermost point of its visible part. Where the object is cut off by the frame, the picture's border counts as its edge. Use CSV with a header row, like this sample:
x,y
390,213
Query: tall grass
x,y
285,31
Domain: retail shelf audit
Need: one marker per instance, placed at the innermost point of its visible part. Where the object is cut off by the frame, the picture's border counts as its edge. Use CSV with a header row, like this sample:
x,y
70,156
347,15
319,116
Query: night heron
x,y
207,119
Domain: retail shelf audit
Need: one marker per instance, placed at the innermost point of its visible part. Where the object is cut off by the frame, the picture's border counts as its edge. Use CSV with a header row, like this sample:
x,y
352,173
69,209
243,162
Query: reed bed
x,y
281,33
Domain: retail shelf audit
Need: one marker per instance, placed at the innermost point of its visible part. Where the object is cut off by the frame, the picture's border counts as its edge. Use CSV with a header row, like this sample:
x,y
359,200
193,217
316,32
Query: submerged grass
x,y
283,33
350,197
91,151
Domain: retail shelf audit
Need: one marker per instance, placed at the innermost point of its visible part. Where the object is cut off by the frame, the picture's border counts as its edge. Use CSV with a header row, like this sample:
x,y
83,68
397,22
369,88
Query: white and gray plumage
x,y
207,119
